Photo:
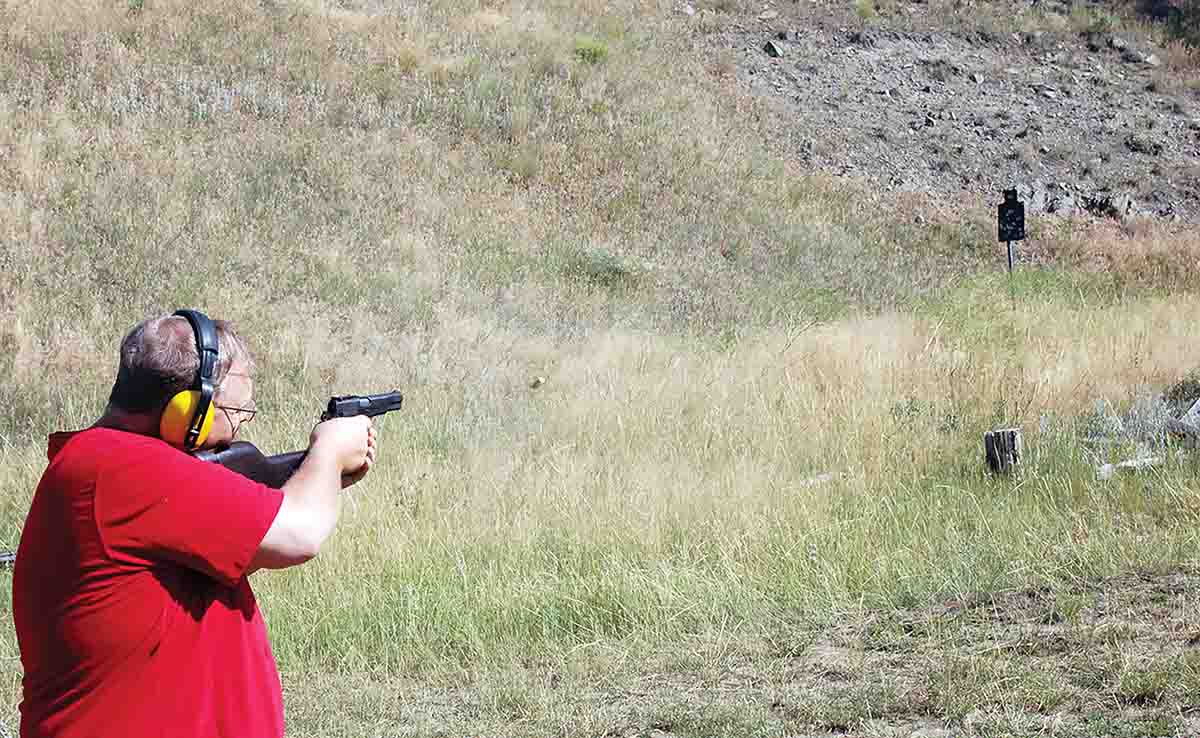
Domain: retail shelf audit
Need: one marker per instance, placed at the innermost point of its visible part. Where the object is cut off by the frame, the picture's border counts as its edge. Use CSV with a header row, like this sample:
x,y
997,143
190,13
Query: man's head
x,y
159,359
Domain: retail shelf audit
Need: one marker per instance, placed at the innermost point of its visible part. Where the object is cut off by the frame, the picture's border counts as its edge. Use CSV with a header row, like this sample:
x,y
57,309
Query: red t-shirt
x,y
132,609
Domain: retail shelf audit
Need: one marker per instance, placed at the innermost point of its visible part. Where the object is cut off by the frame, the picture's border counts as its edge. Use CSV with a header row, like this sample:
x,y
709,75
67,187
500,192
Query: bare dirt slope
x,y
958,103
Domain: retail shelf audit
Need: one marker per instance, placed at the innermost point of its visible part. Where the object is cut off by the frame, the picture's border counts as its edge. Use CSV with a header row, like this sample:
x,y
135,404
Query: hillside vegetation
x,y
691,441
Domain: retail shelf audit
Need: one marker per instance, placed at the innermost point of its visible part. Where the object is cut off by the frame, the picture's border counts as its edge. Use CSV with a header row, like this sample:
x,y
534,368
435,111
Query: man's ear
x,y
177,417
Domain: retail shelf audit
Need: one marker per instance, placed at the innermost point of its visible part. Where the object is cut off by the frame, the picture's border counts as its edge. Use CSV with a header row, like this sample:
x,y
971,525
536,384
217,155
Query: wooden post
x,y
1002,449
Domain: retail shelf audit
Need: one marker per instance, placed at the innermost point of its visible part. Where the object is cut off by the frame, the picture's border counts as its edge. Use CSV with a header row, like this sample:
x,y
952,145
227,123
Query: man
x,y
130,599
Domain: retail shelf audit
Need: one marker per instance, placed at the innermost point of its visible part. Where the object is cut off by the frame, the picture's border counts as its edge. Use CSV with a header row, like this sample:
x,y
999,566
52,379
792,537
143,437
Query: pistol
x,y
274,471
347,406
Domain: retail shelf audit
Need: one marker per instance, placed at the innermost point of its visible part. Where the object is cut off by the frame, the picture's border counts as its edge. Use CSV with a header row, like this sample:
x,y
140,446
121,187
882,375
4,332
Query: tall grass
x,y
656,486
764,392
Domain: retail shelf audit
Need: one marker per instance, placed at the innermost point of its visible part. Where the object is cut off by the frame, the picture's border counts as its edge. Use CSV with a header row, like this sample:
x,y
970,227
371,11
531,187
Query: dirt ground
x,y
1095,123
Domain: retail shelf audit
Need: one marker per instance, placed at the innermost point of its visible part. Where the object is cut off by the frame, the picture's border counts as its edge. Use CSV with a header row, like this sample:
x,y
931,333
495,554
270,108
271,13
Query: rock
x,y
1192,417
864,39
1186,434
1118,43
1034,196
1108,205
1094,166
941,69
1108,471
1063,205
768,15
1140,144
1133,56
773,49
1123,205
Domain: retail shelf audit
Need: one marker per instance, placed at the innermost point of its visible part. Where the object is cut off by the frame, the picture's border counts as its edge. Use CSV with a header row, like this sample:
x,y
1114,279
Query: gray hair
x,y
159,359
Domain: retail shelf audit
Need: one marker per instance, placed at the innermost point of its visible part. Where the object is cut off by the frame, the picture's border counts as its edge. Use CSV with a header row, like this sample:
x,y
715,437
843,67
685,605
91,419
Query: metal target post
x,y
1010,217
1012,291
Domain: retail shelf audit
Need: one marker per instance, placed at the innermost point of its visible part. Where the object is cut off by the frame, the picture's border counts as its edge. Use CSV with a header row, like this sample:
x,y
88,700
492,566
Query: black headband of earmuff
x,y
206,347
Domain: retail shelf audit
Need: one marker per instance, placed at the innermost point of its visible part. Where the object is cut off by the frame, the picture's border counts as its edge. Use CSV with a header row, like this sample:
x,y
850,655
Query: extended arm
x,y
309,513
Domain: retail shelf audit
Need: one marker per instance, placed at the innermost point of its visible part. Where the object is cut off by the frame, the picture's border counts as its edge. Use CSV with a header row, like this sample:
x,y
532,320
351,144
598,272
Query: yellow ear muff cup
x,y
177,415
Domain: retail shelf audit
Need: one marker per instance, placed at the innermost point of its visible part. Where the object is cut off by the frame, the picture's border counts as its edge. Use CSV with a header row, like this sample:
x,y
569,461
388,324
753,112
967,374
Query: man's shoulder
x,y
93,439
107,447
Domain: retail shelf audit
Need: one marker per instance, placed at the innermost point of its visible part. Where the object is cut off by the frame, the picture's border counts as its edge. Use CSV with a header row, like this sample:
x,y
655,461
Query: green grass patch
x,y
590,50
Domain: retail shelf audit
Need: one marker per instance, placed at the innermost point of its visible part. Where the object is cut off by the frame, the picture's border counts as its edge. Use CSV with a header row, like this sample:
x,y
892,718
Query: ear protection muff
x,y
188,416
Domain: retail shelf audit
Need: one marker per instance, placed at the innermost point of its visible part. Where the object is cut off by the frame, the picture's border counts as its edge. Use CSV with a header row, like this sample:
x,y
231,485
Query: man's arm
x,y
309,513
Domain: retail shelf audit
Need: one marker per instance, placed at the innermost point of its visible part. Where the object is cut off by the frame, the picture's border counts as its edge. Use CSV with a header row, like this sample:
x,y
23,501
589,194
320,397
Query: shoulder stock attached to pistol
x,y
245,459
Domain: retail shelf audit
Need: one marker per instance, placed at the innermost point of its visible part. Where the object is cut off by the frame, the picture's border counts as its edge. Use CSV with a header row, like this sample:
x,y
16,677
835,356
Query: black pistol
x,y
347,406
274,471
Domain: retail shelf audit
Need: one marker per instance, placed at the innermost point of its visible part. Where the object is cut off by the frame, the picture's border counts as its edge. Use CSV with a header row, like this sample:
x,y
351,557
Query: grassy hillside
x,y
764,387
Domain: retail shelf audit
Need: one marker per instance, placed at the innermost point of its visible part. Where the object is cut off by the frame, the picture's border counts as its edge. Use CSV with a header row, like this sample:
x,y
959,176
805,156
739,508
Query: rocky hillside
x,y
1087,112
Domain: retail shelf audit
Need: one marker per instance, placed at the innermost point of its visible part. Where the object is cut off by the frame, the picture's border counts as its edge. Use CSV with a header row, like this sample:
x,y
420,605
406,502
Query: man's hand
x,y
350,442
355,476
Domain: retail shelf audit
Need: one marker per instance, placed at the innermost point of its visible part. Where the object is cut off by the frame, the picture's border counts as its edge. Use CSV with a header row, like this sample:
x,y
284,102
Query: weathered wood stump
x,y
1002,449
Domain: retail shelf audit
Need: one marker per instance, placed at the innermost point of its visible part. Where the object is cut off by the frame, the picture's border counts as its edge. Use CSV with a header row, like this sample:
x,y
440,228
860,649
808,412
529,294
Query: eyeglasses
x,y
247,412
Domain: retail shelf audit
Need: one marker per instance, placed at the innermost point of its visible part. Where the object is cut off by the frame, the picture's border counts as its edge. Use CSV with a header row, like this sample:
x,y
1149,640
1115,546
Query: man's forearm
x,y
317,485
307,516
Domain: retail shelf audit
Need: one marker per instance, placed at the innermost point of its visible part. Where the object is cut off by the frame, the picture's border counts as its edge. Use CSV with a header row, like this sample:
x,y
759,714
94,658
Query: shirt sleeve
x,y
166,506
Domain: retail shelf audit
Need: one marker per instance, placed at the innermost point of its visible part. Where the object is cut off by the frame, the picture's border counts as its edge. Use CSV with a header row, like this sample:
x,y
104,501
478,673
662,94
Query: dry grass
x,y
1182,57
1138,253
